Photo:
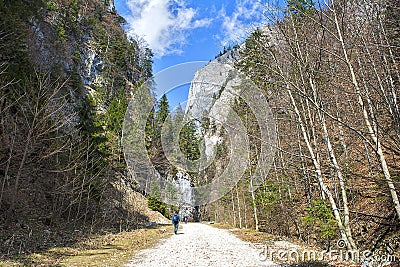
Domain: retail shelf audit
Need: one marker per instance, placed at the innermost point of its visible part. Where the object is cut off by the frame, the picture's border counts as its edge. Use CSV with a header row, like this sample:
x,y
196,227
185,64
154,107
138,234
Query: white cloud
x,y
163,24
202,23
247,15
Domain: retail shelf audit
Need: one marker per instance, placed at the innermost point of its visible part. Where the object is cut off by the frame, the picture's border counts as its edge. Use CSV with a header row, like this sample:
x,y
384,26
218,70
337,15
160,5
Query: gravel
x,y
200,245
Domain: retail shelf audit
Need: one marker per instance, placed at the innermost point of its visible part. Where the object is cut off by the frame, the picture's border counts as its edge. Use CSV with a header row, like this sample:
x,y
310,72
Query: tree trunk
x,y
233,209
318,171
332,158
372,134
239,208
253,199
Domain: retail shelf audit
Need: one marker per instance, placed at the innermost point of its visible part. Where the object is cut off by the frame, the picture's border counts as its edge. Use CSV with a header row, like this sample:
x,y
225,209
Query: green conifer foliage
x,y
161,114
301,8
320,216
189,141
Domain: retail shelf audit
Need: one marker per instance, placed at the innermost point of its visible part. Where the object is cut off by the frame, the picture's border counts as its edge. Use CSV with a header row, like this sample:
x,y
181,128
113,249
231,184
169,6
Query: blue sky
x,y
181,31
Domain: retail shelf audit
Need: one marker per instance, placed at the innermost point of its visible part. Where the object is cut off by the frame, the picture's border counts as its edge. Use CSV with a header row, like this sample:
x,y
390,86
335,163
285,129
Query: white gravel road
x,y
199,245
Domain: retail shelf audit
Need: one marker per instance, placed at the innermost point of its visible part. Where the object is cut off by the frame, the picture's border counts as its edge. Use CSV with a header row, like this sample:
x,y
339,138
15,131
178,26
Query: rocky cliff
x,y
211,95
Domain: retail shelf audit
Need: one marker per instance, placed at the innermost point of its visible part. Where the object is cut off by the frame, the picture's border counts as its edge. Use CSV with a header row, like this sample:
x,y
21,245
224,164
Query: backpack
x,y
176,219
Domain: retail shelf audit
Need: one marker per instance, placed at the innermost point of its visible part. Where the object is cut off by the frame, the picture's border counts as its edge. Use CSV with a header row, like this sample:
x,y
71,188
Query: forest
x,y
67,71
330,73
331,76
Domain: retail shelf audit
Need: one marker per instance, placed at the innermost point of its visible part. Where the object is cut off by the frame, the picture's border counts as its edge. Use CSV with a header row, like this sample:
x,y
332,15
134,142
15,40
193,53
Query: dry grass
x,y
248,235
253,236
269,241
101,250
221,225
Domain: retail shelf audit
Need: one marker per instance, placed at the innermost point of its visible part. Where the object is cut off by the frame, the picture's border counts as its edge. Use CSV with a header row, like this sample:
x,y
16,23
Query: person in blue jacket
x,y
176,218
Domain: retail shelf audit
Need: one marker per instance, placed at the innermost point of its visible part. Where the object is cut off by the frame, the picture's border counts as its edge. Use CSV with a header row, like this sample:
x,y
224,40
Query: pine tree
x,y
161,115
301,8
189,141
161,125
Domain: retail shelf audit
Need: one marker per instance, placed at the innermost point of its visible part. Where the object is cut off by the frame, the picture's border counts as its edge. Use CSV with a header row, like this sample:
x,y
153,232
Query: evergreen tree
x,y
189,141
178,117
301,8
161,115
149,130
91,126
155,147
154,197
147,62
114,116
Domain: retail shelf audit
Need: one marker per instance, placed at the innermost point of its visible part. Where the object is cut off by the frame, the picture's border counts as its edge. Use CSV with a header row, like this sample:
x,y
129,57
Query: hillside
x,y
333,89
67,72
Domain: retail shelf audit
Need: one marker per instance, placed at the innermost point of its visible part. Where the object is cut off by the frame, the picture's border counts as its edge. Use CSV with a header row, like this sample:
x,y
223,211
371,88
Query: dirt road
x,y
200,245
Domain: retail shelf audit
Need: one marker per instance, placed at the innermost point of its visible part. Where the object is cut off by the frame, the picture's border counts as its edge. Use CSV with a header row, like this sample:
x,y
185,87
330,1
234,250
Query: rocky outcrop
x,y
209,84
211,95
67,41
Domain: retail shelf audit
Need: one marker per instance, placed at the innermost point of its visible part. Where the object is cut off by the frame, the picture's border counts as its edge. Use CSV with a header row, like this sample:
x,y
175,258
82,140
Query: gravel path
x,y
200,245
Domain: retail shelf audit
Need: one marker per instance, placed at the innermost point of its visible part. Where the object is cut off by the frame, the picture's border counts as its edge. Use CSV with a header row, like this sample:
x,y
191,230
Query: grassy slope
x,y
99,250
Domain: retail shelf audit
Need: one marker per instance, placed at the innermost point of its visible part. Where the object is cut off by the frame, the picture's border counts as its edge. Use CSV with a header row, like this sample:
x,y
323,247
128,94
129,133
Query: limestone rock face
x,y
88,48
211,95
211,83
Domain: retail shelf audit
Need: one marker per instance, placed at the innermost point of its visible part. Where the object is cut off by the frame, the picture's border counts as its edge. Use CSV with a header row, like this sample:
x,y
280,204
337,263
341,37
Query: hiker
x,y
176,218
185,214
